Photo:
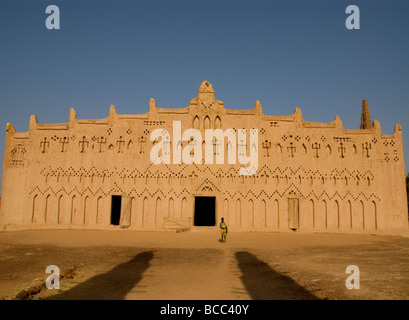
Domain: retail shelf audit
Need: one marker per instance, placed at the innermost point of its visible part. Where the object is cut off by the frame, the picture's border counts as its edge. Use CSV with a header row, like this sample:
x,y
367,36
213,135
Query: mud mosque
x,y
309,176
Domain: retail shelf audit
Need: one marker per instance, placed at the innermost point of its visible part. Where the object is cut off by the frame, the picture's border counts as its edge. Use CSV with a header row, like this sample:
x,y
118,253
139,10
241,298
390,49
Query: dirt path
x,y
126,264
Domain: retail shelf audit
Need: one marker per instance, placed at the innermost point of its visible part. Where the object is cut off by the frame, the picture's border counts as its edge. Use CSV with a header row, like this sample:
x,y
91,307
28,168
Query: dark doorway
x,y
116,210
205,211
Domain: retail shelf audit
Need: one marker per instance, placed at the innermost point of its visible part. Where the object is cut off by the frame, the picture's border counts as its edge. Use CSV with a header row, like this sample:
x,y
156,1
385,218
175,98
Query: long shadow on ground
x,y
264,283
113,285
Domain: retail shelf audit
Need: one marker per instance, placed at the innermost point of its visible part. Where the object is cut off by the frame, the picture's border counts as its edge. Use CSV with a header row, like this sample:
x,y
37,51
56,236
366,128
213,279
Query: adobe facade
x,y
99,173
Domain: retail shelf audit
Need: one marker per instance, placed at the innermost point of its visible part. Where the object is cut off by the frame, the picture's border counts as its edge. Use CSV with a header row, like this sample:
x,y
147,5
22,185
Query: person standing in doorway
x,y
223,229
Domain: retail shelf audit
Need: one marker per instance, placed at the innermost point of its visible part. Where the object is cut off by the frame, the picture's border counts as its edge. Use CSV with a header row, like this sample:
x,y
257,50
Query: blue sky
x,y
284,53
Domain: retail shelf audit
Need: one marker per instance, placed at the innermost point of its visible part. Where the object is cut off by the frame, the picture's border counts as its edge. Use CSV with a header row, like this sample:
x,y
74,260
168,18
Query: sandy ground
x,y
126,264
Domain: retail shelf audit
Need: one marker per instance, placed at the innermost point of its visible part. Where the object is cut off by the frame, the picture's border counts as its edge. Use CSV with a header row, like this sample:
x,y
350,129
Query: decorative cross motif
x,y
367,146
63,142
266,145
166,146
83,142
141,140
44,143
216,144
120,143
101,141
316,146
292,149
342,149
242,148
192,144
